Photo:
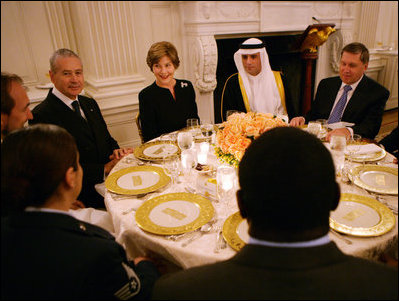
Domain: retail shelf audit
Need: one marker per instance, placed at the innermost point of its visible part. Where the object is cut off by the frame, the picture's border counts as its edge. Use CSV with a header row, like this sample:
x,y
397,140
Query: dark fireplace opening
x,y
284,56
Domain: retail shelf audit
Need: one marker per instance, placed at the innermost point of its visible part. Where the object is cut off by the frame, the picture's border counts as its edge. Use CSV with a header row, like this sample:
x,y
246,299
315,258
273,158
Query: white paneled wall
x,y
113,37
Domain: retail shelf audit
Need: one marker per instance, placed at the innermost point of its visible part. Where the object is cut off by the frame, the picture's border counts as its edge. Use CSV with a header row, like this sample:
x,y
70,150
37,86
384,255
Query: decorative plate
x,y
156,150
369,157
360,215
375,178
137,180
235,231
174,213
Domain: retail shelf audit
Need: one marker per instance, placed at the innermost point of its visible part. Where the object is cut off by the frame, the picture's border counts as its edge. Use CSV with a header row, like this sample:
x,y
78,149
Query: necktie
x,y
339,108
76,107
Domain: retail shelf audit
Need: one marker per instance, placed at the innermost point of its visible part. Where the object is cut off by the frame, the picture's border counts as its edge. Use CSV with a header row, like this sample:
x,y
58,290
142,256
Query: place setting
x,y
156,150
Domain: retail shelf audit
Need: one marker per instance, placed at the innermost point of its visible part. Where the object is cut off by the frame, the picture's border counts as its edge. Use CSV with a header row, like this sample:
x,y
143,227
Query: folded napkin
x,y
364,149
339,125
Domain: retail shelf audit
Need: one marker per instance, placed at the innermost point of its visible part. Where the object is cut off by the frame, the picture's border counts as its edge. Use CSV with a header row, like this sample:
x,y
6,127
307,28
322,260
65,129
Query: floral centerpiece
x,y
240,129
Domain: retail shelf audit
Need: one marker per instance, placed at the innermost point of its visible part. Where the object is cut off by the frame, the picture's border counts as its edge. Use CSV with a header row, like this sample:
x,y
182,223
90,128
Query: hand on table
x,y
342,131
120,153
297,121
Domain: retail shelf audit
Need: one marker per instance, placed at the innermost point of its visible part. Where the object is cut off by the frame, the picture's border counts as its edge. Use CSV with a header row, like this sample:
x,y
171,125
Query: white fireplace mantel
x,y
206,21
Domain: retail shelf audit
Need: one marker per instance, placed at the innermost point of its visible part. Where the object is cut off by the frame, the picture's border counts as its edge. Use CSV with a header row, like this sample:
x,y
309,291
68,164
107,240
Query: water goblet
x,y
193,126
314,128
354,145
185,140
171,166
188,163
337,149
226,186
207,130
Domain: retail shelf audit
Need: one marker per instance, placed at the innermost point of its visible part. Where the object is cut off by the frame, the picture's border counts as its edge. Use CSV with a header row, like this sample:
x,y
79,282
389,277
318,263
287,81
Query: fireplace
x,y
284,56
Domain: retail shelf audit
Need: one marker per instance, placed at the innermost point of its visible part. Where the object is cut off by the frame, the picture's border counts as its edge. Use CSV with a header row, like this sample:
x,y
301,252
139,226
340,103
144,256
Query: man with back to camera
x,y
352,97
289,254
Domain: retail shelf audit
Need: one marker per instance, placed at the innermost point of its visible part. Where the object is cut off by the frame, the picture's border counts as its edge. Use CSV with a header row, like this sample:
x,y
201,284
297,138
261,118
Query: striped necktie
x,y
339,108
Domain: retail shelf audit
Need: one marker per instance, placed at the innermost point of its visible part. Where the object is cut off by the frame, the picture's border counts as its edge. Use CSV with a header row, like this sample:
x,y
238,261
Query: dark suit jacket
x,y
259,272
93,139
365,108
49,256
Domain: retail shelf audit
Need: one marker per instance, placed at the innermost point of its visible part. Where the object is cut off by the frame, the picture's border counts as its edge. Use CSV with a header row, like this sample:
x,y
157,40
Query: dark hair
x,y
34,161
287,180
7,102
63,52
160,49
356,48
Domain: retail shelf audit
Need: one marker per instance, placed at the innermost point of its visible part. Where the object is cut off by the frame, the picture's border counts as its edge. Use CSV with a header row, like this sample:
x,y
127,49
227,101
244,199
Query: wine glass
x,y
193,126
225,179
207,130
185,140
314,128
337,148
171,166
354,146
188,163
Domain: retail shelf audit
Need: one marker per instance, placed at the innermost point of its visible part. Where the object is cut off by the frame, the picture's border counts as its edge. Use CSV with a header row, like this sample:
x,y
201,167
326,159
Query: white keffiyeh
x,y
262,91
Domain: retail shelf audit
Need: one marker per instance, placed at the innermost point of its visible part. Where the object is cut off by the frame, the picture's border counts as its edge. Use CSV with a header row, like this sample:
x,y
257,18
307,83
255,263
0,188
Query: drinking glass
x,y
193,126
337,148
324,127
225,179
207,130
188,163
171,166
185,140
314,128
354,146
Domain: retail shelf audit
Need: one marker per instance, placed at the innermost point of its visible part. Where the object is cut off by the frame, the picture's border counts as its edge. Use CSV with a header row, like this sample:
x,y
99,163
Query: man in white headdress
x,y
254,87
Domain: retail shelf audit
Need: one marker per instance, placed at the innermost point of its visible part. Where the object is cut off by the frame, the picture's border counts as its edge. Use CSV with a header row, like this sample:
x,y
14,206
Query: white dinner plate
x,y
359,215
137,180
174,213
375,178
235,231
156,150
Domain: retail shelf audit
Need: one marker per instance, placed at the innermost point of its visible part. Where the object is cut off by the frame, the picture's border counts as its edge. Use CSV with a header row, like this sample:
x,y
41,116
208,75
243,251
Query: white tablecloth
x,y
138,242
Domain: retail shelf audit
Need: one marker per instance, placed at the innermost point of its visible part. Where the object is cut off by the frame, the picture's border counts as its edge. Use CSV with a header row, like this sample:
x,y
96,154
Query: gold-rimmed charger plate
x,y
360,215
375,178
156,150
174,213
137,180
369,157
235,231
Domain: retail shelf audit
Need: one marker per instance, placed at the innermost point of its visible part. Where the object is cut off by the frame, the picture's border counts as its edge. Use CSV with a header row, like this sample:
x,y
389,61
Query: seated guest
x,y
351,97
14,104
289,254
168,102
390,143
45,252
254,87
82,118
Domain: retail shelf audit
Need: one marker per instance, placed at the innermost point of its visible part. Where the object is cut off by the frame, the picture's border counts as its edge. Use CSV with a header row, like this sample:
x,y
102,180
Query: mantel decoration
x,y
237,133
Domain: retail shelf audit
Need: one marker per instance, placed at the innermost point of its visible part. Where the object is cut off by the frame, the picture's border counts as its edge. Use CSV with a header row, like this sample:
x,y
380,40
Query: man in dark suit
x,y
361,103
47,254
82,118
286,200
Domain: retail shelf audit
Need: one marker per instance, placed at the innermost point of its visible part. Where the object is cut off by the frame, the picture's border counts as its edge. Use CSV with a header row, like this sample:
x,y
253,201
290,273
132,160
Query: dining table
x,y
132,209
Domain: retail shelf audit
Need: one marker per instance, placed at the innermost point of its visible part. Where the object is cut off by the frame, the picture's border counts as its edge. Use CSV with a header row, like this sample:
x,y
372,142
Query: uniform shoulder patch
x,y
131,288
